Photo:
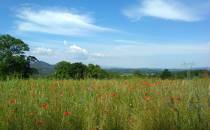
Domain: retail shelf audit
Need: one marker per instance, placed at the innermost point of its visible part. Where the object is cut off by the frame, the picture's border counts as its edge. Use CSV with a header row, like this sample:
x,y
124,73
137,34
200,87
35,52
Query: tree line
x,y
167,74
66,70
15,63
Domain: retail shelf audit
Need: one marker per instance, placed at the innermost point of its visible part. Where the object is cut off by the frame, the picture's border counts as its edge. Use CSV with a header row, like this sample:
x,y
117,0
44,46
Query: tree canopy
x,y
62,70
13,61
66,70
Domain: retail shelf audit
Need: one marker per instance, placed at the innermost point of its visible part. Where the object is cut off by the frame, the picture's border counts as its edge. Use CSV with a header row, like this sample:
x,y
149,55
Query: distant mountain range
x,y
45,69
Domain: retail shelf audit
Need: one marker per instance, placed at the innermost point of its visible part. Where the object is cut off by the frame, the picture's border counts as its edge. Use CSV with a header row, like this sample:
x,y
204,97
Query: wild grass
x,y
134,104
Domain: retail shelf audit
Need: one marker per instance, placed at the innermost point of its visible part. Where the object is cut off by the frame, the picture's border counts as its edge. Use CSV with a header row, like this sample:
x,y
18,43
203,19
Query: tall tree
x,y
13,60
95,71
62,70
78,71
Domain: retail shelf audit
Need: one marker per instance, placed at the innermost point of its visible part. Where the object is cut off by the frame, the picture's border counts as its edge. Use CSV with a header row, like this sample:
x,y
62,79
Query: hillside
x,y
43,68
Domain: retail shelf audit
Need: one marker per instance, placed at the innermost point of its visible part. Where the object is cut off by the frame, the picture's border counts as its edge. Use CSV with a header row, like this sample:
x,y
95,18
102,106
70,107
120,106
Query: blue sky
x,y
112,33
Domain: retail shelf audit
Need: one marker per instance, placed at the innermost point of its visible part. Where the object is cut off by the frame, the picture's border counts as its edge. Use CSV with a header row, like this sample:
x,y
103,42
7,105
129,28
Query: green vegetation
x,y
66,70
133,104
13,61
166,74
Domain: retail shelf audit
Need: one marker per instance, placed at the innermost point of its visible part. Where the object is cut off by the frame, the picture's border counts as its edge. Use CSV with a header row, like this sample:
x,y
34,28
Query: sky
x,y
112,33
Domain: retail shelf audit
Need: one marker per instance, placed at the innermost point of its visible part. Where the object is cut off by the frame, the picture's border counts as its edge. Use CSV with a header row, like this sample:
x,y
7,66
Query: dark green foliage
x,y
66,70
62,70
166,74
13,62
95,71
12,46
78,71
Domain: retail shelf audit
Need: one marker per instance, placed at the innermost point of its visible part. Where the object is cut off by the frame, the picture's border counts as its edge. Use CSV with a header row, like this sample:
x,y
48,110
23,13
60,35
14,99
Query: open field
x,y
134,104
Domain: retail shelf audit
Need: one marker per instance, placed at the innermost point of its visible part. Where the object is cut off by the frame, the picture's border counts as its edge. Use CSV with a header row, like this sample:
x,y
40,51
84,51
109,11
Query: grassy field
x,y
134,104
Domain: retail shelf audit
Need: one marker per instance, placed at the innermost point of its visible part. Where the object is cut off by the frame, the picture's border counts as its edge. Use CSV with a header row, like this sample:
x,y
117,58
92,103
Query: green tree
x,y
62,70
95,71
78,71
13,61
166,74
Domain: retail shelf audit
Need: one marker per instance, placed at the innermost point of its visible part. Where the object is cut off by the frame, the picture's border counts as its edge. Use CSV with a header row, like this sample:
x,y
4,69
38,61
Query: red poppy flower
x,y
147,98
44,106
66,113
113,94
39,122
12,101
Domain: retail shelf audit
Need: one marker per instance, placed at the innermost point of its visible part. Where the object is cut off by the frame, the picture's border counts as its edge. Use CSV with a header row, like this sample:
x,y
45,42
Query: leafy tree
x,y
166,74
62,70
65,70
95,71
78,71
13,61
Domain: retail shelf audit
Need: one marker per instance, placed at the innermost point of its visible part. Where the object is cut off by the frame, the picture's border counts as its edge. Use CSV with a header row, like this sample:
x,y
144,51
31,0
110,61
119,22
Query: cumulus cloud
x,y
42,51
57,21
164,9
76,49
80,53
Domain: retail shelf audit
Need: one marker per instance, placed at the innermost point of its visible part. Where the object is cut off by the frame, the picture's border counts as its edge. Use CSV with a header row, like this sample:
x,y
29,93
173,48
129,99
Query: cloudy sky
x,y
112,33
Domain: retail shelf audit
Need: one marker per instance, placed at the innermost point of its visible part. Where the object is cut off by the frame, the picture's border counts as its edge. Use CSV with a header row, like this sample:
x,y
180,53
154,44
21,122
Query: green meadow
x,y
133,104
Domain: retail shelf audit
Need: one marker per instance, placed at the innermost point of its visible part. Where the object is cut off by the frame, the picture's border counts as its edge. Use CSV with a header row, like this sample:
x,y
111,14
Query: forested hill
x,y
43,68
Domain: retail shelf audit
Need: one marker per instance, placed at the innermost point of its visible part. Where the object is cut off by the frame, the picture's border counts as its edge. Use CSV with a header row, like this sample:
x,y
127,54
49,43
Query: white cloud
x,y
76,49
60,22
79,53
164,9
42,51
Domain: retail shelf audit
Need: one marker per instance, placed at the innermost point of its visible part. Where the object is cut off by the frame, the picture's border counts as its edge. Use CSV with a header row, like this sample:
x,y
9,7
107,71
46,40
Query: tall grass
x,y
134,104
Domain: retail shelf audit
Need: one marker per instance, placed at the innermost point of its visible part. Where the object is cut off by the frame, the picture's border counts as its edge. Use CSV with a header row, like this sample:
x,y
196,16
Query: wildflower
x,y
113,94
147,98
131,120
44,106
13,101
31,114
32,93
62,94
67,113
146,93
158,93
130,88
148,84
39,122
106,111
157,83
175,99
174,109
126,82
